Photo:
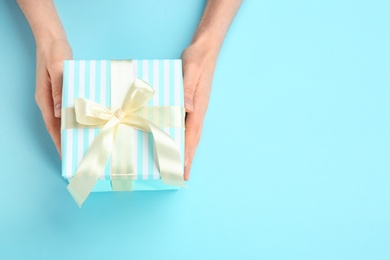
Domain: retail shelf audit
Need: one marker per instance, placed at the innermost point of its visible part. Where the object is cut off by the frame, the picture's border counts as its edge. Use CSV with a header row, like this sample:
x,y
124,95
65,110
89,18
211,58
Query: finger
x,y
56,74
193,130
190,80
53,124
194,123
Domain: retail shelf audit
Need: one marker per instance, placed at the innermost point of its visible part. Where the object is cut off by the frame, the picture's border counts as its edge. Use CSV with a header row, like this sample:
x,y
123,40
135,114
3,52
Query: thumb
x,y
190,80
56,74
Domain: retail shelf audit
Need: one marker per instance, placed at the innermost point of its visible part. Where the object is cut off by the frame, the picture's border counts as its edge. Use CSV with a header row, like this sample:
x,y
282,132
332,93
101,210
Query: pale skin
x,y
199,61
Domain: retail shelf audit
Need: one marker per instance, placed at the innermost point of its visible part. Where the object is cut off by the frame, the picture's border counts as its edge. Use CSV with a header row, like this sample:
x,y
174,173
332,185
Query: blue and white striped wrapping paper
x,y
90,79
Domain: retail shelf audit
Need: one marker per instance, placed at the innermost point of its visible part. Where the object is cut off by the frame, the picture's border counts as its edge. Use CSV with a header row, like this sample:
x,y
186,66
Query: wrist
x,y
47,35
44,21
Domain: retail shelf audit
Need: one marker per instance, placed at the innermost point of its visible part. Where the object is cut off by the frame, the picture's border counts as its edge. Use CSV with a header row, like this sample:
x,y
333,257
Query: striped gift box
x,y
90,79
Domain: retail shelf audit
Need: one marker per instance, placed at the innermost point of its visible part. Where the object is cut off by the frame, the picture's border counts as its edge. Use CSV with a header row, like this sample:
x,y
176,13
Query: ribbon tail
x,y
93,163
123,160
167,151
168,156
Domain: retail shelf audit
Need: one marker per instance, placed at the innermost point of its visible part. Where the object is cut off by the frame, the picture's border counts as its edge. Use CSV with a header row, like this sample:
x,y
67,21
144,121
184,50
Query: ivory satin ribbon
x,y
116,126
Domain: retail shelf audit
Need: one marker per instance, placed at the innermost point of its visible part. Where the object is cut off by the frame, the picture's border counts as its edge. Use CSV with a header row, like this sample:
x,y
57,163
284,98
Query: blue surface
x,y
294,157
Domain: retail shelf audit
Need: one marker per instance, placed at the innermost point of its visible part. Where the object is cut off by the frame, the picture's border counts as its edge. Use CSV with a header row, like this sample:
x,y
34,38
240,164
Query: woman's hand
x,y
48,94
199,61
52,49
198,69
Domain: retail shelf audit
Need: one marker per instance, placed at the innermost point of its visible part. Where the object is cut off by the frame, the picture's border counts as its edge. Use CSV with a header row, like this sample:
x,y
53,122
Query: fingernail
x,y
189,105
57,110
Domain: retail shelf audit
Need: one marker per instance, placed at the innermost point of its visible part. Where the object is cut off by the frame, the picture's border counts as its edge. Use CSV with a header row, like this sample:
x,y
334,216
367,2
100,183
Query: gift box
x,y
122,125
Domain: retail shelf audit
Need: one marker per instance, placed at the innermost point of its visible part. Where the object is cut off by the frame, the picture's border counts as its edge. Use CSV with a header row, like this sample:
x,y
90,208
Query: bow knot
x,y
120,114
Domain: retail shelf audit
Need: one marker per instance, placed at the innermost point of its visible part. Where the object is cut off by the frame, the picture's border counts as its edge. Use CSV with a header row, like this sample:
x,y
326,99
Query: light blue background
x,y
294,157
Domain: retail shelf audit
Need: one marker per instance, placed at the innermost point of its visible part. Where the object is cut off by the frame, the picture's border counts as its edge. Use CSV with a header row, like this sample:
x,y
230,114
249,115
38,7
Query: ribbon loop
x,y
139,95
91,113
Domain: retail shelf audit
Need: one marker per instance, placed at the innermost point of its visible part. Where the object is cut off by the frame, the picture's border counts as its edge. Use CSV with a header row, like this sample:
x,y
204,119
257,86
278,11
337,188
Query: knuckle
x,y
57,95
191,65
189,91
38,100
55,67
191,68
